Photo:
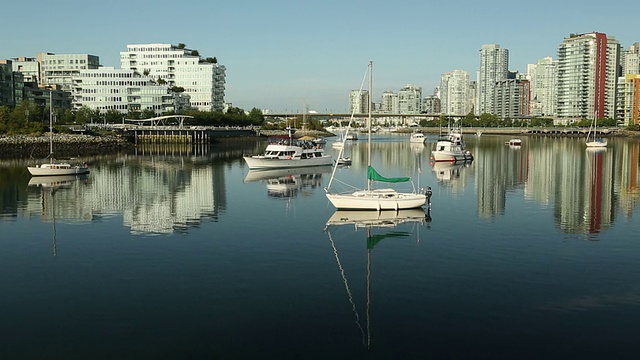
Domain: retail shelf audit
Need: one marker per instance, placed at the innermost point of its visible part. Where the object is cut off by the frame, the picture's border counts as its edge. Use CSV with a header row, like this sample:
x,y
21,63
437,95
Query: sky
x,y
288,55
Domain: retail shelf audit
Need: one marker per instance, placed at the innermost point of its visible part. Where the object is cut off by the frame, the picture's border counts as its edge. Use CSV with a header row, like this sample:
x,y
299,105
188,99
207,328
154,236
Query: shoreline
x,y
65,145
73,145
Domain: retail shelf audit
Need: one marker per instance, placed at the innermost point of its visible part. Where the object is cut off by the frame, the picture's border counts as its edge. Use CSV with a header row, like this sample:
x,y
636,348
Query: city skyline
x,y
285,56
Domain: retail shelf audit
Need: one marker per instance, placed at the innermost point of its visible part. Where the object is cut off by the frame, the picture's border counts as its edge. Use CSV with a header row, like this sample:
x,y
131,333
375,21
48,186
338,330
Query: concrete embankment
x,y
64,145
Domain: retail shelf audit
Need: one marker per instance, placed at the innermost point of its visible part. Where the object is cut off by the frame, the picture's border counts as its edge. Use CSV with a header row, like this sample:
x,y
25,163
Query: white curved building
x,y
203,80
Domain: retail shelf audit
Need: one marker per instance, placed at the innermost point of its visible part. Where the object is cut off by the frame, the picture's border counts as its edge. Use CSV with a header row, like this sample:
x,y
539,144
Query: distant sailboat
x,y
592,136
53,168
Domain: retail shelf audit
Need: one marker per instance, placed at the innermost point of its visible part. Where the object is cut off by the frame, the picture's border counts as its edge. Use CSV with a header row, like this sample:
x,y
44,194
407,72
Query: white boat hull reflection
x,y
55,181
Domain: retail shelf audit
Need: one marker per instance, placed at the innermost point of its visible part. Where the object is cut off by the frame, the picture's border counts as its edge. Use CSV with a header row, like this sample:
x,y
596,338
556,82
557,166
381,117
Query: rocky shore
x,y
64,145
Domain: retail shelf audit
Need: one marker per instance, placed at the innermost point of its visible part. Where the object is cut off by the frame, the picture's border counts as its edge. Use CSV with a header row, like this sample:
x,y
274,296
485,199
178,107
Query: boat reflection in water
x,y
50,185
286,183
56,182
379,225
446,170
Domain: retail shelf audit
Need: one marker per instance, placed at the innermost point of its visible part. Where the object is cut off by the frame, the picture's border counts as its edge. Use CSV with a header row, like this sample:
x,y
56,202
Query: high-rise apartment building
x,y
544,92
410,99
494,67
454,93
631,63
431,104
588,69
59,69
512,99
631,102
202,79
359,101
628,97
389,103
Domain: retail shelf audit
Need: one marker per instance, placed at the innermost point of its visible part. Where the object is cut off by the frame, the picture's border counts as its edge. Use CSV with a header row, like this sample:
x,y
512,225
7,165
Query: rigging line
x,y
346,286
344,139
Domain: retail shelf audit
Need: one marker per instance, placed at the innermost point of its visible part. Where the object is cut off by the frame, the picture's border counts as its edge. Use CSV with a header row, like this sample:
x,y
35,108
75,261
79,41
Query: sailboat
x,y
55,168
593,141
369,198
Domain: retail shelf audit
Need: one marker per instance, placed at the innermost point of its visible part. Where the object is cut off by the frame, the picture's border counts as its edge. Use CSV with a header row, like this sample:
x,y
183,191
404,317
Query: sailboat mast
x,y
369,121
50,125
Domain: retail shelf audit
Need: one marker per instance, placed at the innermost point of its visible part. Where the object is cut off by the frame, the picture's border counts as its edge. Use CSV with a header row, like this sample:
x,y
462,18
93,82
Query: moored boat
x,y
370,198
53,168
515,142
289,153
417,137
593,140
447,150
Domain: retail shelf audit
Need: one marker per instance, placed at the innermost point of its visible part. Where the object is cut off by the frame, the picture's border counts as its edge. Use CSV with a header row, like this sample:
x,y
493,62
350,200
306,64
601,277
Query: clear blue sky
x,y
281,54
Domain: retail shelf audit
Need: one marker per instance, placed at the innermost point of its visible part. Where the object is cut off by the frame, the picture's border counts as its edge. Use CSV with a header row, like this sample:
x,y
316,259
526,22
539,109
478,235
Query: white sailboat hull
x,y
57,170
379,199
601,143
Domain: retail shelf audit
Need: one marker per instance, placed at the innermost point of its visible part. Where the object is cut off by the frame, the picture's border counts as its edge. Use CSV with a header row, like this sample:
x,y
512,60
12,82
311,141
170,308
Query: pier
x,y
171,129
176,134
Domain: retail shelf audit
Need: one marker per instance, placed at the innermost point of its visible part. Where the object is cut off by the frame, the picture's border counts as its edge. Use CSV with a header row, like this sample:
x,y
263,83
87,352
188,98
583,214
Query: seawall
x,y
64,145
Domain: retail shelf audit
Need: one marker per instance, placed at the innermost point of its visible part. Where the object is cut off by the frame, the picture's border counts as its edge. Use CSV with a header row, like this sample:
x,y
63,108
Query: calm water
x,y
529,252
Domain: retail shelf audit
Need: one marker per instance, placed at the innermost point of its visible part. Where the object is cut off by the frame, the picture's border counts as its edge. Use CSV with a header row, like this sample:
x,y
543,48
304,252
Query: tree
x,y
177,89
181,46
113,116
84,115
195,53
67,116
469,120
148,114
256,117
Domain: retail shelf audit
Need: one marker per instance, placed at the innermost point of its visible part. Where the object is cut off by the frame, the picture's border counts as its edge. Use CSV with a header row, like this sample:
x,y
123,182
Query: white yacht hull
x,y
261,162
382,199
451,156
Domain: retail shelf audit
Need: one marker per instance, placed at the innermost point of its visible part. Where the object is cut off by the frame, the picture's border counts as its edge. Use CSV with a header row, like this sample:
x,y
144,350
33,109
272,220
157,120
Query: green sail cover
x,y
372,240
372,174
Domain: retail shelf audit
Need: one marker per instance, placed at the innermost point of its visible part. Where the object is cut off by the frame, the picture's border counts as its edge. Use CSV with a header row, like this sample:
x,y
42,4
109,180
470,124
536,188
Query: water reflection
x,y
446,171
286,183
58,200
164,190
379,226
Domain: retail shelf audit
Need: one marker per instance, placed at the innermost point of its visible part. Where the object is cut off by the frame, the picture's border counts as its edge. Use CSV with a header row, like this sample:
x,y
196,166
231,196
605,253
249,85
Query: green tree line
x,y
28,118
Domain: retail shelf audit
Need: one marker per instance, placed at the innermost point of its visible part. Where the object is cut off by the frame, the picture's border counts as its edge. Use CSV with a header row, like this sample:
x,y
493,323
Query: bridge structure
x,y
361,116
